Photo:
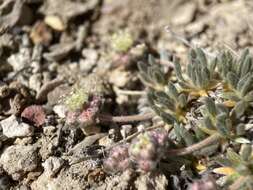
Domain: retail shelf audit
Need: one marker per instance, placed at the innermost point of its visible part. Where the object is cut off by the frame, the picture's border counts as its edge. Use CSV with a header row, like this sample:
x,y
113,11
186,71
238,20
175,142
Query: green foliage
x,y
215,119
208,104
241,166
152,74
121,41
237,79
169,104
199,77
76,99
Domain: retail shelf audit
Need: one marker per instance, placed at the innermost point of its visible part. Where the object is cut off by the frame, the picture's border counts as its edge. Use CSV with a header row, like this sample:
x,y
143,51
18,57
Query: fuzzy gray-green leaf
x,y
208,123
242,81
221,125
232,79
210,105
172,91
234,157
182,100
246,65
185,135
201,56
167,118
246,151
241,61
240,129
213,65
178,69
205,75
240,108
247,86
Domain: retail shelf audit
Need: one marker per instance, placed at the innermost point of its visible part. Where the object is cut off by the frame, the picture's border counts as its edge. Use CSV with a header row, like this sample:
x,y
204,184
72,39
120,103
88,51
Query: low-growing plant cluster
x,y
207,103
206,110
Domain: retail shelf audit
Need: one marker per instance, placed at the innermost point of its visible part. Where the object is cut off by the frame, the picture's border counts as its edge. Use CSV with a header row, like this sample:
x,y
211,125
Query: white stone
x,y
52,165
60,110
12,128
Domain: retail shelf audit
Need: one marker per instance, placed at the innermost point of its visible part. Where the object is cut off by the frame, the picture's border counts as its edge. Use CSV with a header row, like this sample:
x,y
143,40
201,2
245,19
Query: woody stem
x,y
125,119
190,149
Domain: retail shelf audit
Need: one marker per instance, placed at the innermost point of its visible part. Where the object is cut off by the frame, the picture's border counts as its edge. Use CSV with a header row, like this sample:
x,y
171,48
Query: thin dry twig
x,y
125,119
48,87
129,92
130,137
186,42
178,37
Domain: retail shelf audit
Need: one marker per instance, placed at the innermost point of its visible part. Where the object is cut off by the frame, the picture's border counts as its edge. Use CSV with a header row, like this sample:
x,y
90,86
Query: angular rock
x,y
12,128
60,110
152,181
52,165
68,178
184,14
68,9
17,160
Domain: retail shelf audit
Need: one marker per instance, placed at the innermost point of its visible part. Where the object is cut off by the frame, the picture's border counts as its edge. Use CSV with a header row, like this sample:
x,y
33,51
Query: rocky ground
x,y
48,48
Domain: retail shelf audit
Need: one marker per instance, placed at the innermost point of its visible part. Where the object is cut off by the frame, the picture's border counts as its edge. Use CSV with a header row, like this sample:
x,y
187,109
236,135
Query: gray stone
x,y
184,14
17,160
71,177
52,165
150,181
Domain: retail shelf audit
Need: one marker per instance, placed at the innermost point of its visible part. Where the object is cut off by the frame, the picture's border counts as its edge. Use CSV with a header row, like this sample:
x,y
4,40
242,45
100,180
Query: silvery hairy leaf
x,y
182,100
242,81
240,108
172,91
210,105
178,69
183,134
247,65
242,59
234,157
208,123
221,125
247,86
201,56
246,151
240,129
232,79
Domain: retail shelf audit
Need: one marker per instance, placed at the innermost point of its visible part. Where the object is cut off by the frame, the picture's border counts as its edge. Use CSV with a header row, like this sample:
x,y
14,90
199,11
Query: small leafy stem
x,y
195,147
125,119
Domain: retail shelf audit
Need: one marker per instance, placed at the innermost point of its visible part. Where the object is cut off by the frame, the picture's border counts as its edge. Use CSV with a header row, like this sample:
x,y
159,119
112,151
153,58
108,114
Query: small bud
x,y
77,99
121,41
118,159
161,137
143,147
148,148
147,165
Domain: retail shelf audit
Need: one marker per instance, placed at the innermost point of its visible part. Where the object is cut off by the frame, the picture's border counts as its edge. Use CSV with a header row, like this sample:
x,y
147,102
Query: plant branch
x,y
135,135
190,149
129,92
47,87
125,119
